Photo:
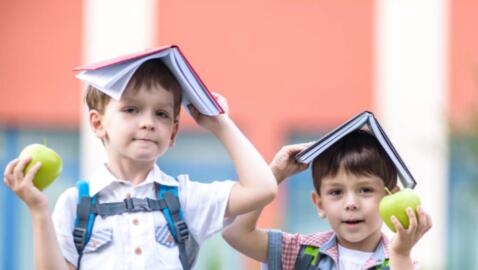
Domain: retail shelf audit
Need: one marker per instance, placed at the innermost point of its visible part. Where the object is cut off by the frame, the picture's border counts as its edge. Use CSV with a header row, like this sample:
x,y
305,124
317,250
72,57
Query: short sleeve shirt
x,y
140,240
283,250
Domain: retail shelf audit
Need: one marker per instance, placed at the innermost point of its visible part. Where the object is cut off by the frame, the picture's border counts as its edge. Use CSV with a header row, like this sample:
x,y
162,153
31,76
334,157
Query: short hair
x,y
358,153
151,73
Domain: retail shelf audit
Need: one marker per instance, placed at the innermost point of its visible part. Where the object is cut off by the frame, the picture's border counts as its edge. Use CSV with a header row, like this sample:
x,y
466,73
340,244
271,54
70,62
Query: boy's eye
x,y
162,114
366,190
335,192
130,110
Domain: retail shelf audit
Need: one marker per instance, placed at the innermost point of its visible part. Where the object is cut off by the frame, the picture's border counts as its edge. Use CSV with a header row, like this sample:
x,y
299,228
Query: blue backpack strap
x,y
308,258
175,219
85,218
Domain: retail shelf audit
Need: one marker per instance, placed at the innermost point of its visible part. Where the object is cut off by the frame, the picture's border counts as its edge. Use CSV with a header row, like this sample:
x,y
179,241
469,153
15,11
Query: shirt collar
x,y
329,246
102,178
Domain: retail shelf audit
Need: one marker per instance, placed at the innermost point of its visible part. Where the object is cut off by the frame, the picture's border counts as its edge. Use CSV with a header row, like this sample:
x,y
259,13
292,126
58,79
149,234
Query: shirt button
x,y
138,251
135,222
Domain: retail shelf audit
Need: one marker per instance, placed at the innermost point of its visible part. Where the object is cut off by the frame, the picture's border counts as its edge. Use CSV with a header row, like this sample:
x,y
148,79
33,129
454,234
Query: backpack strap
x,y
308,258
384,266
85,218
175,219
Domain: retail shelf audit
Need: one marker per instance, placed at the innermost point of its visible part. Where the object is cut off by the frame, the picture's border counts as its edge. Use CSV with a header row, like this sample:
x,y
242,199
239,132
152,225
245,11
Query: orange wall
x,y
463,59
281,64
40,44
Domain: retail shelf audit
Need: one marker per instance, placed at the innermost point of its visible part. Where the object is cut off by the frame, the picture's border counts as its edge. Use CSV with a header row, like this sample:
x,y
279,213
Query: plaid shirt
x,y
284,249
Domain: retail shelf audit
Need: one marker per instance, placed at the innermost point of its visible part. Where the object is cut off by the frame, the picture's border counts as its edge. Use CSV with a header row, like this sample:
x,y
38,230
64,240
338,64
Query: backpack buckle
x,y
79,238
133,205
182,231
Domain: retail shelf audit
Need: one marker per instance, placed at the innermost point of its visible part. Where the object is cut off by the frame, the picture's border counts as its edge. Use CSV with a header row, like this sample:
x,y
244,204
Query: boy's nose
x,y
351,202
147,122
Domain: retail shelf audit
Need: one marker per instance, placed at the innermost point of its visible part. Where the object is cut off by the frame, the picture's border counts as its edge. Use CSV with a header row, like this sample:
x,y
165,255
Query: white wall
x,y
411,72
112,28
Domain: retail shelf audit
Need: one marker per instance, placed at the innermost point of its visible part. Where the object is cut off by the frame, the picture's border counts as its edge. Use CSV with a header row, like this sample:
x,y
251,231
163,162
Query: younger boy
x,y
349,180
136,131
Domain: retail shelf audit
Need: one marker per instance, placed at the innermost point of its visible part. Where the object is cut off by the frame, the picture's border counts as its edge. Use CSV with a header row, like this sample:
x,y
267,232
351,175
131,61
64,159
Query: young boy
x,y
349,180
136,131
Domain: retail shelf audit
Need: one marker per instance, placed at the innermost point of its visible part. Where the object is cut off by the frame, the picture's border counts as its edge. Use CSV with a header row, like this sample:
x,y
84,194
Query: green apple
x,y
396,204
50,160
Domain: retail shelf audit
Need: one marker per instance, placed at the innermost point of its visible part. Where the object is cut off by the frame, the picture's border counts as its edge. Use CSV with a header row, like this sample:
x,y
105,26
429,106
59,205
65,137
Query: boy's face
x,y
350,203
139,127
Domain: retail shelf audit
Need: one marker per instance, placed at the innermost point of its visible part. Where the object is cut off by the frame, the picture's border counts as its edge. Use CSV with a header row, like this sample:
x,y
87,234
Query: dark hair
x,y
151,73
358,153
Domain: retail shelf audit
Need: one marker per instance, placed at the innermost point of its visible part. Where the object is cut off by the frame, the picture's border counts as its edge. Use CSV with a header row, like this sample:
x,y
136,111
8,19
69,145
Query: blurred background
x,y
291,70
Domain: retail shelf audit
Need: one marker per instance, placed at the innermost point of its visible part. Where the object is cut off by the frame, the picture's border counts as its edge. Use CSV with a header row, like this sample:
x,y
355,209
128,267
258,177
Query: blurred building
x,y
291,71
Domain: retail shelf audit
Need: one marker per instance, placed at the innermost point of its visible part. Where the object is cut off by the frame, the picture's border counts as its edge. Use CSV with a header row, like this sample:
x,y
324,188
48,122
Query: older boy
x,y
136,131
349,180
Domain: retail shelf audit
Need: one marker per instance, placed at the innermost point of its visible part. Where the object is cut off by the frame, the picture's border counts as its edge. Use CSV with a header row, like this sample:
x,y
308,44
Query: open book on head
x,y
112,76
359,121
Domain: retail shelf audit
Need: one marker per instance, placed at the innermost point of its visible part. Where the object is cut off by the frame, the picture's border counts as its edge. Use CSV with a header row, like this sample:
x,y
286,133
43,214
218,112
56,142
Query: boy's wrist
x,y
40,211
400,254
223,122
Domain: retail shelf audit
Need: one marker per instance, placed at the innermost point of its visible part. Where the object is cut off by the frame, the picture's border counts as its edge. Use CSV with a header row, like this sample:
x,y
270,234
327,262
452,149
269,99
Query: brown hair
x,y
151,73
358,153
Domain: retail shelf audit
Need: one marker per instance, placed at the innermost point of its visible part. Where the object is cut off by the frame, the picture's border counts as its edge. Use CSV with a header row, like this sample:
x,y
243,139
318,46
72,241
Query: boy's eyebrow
x,y
331,184
133,100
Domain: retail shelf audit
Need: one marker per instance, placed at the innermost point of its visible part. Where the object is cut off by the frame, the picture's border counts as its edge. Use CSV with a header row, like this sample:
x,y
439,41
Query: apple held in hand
x,y
50,160
396,204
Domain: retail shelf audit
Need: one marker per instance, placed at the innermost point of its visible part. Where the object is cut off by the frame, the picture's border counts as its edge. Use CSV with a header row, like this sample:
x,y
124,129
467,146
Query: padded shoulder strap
x,y
384,266
85,218
175,219
307,258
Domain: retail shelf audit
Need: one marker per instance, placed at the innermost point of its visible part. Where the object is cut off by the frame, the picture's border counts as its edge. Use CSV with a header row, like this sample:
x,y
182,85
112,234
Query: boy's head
x,y
358,153
150,74
143,124
349,179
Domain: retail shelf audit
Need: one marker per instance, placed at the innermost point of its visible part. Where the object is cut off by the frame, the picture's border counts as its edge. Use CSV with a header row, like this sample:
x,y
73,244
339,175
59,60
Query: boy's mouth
x,y
353,221
145,140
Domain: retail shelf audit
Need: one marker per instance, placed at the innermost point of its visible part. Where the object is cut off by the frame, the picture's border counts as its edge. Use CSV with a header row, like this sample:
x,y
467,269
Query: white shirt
x,y
350,259
140,240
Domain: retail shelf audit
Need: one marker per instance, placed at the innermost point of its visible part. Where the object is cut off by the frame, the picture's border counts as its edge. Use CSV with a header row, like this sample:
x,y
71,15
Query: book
x,y
112,76
364,119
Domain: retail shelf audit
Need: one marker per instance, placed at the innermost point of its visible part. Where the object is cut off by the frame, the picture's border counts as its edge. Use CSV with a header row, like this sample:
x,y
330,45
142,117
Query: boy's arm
x,y
257,186
243,234
405,239
46,249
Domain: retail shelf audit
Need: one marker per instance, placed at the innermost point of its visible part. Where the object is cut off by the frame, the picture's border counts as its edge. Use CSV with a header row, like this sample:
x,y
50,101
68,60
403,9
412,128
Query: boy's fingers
x,y
193,110
413,220
9,169
18,171
424,221
32,172
398,226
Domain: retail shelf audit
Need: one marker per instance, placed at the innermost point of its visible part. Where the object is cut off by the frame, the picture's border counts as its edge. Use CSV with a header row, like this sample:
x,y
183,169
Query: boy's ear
x,y
96,123
174,133
318,204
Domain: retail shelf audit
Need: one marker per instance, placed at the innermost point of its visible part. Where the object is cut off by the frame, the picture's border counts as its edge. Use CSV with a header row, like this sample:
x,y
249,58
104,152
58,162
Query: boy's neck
x,y
368,244
135,173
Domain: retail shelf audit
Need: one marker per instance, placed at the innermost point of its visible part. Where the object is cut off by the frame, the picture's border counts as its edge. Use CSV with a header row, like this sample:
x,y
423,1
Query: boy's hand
x,y
284,164
405,239
211,122
22,184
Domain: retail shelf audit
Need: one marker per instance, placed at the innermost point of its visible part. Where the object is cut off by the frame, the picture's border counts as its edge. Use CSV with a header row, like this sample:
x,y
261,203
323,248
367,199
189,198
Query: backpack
x,y
309,257
167,203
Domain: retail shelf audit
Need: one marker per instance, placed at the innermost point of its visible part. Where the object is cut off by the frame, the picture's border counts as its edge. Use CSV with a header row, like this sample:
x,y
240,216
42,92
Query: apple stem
x,y
45,141
388,191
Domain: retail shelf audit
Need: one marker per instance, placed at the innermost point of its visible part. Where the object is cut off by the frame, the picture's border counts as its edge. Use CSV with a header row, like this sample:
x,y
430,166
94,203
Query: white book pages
x,y
113,79
365,119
